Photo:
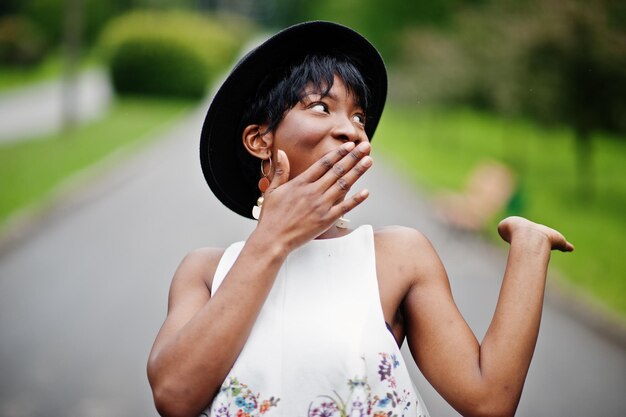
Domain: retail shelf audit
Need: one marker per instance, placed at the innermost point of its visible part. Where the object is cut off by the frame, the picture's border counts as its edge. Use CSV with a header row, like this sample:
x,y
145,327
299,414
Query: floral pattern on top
x,y
361,402
236,397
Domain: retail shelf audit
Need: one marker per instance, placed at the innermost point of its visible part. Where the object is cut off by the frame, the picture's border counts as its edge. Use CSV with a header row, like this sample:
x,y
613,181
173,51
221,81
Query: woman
x,y
306,316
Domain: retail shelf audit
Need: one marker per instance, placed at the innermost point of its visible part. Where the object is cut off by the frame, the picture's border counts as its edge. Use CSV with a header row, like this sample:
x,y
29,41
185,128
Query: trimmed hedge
x,y
158,67
169,53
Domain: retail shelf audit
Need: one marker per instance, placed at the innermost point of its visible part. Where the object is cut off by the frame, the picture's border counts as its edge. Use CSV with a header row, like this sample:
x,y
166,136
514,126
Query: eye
x,y
359,118
320,107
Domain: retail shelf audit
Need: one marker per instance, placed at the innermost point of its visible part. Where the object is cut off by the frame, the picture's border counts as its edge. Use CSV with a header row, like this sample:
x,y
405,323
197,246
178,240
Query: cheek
x,y
302,142
298,135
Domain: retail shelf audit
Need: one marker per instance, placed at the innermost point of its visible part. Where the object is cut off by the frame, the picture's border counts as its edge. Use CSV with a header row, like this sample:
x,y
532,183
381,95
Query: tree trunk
x,y
72,44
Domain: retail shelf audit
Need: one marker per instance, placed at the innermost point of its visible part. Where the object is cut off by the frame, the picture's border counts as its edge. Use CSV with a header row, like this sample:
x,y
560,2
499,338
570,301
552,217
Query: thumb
x,y
281,172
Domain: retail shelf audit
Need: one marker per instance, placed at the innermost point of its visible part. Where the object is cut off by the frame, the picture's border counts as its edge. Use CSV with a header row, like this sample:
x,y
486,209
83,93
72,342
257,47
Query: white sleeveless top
x,y
320,346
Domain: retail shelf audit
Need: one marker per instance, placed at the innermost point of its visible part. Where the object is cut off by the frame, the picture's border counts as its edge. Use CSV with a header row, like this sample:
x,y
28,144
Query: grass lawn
x,y
438,149
30,169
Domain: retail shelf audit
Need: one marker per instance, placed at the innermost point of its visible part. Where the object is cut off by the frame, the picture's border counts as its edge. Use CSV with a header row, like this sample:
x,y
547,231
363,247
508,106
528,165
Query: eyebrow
x,y
330,95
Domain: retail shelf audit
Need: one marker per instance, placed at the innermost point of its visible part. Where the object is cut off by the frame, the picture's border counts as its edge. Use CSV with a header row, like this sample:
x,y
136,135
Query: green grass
x,y
31,169
437,149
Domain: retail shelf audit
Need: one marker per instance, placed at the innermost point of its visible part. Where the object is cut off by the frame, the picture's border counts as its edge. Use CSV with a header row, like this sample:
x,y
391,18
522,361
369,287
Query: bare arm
x,y
203,335
482,379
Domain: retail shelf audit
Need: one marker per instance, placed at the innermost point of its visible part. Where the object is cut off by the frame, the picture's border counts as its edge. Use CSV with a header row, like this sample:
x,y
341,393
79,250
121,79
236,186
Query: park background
x,y
538,86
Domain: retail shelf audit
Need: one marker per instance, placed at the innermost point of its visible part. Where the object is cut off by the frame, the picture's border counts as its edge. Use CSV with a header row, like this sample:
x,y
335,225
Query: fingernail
x,y
366,161
348,146
278,157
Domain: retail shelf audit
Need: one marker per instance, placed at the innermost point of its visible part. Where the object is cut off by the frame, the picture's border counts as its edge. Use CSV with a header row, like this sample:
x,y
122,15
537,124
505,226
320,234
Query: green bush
x,y
158,67
167,52
21,44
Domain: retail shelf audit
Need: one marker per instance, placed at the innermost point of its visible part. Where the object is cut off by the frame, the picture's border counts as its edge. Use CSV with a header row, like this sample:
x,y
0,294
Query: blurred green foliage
x,y
169,52
21,43
49,15
514,57
16,77
158,67
560,62
577,63
382,22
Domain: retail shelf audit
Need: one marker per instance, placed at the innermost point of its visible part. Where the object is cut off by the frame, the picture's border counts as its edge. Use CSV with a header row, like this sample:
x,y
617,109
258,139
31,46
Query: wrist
x,y
268,245
531,238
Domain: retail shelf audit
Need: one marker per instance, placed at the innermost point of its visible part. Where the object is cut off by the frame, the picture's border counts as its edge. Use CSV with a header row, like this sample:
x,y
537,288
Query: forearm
x,y
508,346
188,368
481,379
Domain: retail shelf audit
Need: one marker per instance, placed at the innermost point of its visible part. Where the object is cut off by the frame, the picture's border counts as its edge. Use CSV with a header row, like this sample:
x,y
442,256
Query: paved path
x,y
21,116
82,298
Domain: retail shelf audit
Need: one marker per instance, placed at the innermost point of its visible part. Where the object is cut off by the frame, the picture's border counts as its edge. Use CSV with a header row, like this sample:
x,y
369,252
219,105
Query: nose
x,y
348,131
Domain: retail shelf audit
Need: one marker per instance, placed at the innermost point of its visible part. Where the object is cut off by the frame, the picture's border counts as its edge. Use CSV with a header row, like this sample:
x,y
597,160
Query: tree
x,y
577,76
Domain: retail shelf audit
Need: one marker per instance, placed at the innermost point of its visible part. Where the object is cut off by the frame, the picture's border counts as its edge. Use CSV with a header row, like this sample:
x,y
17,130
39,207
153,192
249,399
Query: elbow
x,y
171,398
491,404
168,405
502,407
493,411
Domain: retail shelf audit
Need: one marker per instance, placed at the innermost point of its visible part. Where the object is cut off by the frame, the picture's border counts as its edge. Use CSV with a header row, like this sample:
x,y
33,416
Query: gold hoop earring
x,y
263,185
264,182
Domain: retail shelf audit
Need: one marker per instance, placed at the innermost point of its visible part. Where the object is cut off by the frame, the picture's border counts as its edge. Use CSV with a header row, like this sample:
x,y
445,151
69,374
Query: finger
x,y
348,204
281,172
345,165
559,242
565,246
342,185
315,171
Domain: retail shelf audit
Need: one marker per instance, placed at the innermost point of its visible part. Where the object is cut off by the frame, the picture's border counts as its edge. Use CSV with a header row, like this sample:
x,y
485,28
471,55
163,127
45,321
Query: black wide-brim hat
x,y
222,131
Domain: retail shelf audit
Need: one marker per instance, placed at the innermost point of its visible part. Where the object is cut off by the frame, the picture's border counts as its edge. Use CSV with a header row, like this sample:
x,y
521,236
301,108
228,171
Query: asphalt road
x,y
83,295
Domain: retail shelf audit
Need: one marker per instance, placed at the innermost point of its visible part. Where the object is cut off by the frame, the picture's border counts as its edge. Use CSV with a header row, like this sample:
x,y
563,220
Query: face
x,y
318,125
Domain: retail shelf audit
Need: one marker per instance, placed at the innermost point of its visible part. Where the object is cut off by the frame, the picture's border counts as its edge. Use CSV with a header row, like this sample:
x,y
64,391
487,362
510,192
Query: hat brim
x,y
221,134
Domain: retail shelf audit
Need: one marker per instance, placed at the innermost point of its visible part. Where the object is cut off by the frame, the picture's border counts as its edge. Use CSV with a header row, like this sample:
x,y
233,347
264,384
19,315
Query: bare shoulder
x,y
405,261
192,280
399,236
405,250
401,242
199,265
189,291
